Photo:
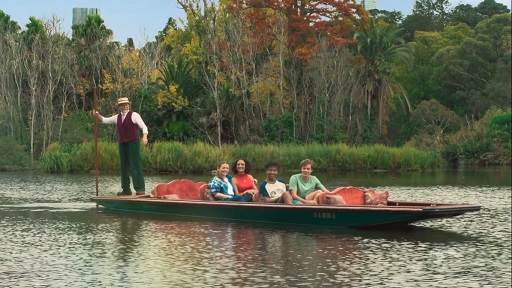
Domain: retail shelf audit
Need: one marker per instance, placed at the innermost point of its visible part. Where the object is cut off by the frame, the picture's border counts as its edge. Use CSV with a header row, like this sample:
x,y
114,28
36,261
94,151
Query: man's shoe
x,y
123,194
140,193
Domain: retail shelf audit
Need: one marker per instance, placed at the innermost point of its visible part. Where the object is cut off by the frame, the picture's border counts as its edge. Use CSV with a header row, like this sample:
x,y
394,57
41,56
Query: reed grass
x,y
377,157
176,157
108,157
54,160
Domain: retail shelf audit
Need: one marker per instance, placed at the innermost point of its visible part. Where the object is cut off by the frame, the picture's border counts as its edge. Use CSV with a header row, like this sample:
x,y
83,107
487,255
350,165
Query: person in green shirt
x,y
304,187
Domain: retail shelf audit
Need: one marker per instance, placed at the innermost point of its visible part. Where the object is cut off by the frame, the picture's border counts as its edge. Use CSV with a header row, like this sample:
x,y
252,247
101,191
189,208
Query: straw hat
x,y
123,101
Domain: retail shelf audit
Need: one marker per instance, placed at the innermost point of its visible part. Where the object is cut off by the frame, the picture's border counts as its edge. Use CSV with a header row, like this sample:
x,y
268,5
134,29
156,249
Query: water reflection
x,y
416,234
246,255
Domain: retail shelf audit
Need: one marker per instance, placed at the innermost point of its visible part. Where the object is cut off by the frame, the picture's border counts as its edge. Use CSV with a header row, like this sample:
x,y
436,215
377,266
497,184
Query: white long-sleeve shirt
x,y
135,119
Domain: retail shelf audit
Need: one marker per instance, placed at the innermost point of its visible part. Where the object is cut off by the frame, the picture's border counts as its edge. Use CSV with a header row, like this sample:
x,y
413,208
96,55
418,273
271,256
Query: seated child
x,y
274,190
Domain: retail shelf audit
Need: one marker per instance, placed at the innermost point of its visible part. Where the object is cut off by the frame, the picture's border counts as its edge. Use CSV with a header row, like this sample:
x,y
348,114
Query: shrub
x,y
14,156
54,160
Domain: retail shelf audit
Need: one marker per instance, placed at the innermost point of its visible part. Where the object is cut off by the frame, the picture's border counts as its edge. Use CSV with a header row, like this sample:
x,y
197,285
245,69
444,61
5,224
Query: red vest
x,y
127,130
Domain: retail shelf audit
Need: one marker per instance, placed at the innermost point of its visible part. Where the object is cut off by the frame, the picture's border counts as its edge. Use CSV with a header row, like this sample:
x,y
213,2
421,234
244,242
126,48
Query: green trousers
x,y
129,158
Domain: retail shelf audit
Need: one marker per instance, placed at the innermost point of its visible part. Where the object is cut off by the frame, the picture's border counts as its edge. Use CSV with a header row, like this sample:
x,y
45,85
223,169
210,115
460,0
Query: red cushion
x,y
160,189
199,184
182,189
351,195
376,198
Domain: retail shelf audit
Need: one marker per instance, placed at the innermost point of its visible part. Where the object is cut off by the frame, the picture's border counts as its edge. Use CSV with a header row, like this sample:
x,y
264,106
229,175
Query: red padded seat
x,y
160,190
181,189
351,195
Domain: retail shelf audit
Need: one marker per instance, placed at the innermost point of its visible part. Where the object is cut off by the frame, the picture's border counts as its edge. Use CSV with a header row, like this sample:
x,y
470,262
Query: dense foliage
x,y
176,157
269,72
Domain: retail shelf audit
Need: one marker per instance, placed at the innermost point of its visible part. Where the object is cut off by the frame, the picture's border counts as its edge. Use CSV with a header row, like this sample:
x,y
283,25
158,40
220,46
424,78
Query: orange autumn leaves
x,y
304,22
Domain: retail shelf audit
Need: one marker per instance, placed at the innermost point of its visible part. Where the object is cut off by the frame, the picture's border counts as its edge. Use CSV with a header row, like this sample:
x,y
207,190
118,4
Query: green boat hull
x,y
393,215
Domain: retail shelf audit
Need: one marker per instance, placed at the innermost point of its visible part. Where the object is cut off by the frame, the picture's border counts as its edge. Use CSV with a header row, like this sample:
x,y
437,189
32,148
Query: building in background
x,y
80,14
369,4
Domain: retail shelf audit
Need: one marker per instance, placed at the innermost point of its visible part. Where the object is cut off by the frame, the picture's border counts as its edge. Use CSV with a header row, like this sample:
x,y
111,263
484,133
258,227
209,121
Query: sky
x,y
140,20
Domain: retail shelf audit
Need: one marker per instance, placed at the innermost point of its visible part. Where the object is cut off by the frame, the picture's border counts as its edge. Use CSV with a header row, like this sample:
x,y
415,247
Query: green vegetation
x,y
239,79
14,156
199,157
486,142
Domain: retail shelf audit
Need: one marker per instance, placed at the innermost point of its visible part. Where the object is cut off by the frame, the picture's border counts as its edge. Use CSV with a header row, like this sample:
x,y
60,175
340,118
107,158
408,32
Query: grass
x,y
176,157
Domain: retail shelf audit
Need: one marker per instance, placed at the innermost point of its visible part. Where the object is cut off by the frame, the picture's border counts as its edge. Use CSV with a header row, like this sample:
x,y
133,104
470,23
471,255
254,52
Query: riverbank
x,y
175,157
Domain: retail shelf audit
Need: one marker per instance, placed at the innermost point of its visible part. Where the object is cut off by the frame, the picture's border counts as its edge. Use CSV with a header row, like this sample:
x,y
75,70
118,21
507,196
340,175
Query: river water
x,y
53,236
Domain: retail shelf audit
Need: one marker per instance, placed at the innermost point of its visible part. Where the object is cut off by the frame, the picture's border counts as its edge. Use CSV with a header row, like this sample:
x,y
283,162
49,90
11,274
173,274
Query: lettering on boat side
x,y
324,215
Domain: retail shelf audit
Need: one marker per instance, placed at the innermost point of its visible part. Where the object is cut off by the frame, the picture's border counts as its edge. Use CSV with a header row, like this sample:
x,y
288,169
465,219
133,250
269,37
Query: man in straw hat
x,y
128,123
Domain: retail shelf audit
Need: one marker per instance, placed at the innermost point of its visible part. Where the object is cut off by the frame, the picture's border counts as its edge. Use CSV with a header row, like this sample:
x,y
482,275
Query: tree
x,y
497,93
7,25
435,10
244,55
92,42
432,121
59,77
413,23
467,66
92,31
294,31
433,118
391,17
11,80
382,48
427,15
35,40
335,80
497,31
175,82
462,69
308,20
465,13
206,30
171,24
489,8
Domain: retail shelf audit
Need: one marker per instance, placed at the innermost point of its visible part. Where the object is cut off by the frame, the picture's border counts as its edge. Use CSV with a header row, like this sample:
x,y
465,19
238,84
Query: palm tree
x,y
95,52
92,31
35,29
7,25
382,48
179,73
176,84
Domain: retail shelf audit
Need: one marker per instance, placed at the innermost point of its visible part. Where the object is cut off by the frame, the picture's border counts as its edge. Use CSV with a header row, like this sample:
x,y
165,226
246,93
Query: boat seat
x,y
160,190
181,189
351,195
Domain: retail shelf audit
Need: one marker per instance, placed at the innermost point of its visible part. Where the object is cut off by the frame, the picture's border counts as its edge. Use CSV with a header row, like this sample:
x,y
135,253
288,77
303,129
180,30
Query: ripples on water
x,y
53,236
